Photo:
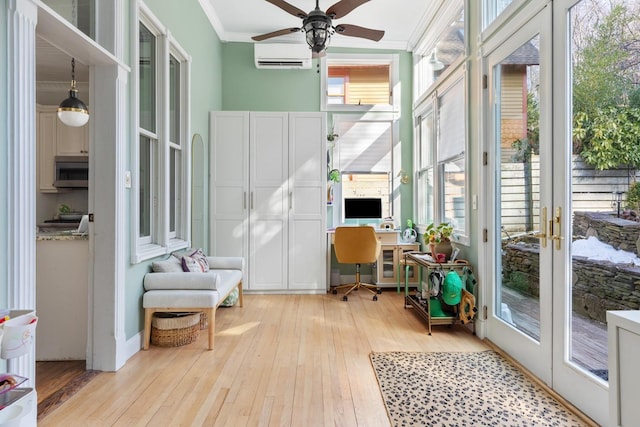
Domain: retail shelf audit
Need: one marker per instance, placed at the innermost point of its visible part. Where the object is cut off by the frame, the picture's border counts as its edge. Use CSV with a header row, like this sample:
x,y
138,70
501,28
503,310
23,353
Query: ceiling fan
x,y
318,26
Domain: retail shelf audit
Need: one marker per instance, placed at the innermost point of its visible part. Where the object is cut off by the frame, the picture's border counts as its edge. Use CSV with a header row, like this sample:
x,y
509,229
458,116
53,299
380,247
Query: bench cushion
x,y
182,281
228,279
180,299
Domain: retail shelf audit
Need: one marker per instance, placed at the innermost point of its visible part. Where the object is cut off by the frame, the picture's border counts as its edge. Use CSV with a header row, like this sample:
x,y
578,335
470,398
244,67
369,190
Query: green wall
x,y
189,26
247,88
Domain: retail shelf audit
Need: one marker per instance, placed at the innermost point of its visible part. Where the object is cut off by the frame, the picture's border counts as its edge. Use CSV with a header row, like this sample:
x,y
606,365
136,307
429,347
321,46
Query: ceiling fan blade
x,y
289,8
343,7
275,34
356,31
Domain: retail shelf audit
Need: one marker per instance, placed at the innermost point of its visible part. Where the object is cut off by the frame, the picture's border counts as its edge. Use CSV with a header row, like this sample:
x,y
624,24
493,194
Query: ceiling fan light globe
x,y
318,31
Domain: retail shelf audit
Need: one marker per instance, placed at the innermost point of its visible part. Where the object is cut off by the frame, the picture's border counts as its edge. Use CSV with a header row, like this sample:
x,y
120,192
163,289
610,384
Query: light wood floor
x,y
281,360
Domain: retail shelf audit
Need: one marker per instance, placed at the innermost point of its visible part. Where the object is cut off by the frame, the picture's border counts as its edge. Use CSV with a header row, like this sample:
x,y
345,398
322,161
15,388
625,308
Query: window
x,y
440,158
161,179
362,153
148,136
443,49
358,85
358,82
424,146
493,9
373,185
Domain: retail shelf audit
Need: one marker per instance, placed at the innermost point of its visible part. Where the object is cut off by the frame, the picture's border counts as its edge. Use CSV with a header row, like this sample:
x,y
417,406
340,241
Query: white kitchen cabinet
x,y
268,176
56,139
72,141
46,137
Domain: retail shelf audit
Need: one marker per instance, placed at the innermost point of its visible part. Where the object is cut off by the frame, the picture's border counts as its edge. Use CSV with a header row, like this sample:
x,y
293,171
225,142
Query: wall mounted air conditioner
x,y
282,55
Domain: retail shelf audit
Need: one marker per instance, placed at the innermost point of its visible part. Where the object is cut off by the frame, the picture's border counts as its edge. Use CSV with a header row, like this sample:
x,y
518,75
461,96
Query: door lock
x,y
557,228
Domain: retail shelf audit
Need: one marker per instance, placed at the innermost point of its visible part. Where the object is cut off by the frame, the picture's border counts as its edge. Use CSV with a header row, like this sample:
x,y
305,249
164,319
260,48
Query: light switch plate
x,y
127,179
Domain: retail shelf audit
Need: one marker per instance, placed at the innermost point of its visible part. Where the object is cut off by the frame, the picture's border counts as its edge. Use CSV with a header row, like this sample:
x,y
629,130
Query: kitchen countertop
x,y
60,235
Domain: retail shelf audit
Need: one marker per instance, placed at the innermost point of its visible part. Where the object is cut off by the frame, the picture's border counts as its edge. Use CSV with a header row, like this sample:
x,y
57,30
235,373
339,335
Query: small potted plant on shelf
x,y
438,237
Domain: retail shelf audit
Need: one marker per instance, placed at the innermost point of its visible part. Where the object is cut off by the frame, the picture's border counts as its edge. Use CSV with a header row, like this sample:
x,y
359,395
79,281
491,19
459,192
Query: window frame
x,y
430,104
161,240
393,60
392,120
440,22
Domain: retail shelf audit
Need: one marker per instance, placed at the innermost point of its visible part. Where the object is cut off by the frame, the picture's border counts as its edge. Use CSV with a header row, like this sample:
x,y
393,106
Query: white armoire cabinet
x,y
267,197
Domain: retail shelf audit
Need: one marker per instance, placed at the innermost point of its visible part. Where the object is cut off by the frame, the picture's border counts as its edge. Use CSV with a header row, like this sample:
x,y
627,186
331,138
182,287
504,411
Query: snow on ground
x,y
594,249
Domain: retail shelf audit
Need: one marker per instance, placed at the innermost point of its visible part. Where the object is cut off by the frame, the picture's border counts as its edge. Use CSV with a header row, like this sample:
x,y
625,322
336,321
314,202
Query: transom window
x,y
358,82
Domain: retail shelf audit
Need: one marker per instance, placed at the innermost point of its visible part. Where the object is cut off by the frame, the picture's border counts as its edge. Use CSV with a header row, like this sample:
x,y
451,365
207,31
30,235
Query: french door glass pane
x,y
517,81
606,111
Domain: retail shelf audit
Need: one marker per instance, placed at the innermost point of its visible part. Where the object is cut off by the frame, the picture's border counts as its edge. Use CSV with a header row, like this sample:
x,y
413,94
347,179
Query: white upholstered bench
x,y
177,291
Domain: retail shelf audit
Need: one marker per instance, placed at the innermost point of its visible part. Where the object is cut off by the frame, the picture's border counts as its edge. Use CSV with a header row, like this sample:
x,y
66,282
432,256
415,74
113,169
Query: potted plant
x,y
439,239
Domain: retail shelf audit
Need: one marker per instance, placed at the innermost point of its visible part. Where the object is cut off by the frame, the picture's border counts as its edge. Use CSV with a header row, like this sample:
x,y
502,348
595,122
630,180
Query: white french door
x,y
529,145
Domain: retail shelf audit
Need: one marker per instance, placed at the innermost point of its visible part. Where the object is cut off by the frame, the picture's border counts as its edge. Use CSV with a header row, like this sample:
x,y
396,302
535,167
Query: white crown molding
x,y
208,9
336,41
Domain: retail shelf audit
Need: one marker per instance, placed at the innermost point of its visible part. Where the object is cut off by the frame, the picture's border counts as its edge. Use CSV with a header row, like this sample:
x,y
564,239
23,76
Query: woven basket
x,y
174,329
204,320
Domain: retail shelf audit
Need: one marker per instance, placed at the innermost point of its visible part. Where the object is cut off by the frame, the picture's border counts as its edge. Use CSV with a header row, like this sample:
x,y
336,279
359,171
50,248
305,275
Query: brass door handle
x,y
543,223
557,228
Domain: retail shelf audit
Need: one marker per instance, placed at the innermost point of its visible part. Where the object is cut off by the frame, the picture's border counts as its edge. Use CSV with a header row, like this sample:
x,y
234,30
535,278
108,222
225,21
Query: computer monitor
x,y
363,208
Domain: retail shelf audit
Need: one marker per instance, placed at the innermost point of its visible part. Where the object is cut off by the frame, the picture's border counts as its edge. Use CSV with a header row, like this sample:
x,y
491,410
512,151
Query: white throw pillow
x,y
169,265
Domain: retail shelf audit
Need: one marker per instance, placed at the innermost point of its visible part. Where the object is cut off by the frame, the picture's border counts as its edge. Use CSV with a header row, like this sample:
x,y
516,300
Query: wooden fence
x,y
520,193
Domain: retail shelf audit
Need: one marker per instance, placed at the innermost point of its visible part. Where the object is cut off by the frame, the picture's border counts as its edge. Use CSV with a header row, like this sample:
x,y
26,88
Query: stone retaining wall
x,y
617,232
598,286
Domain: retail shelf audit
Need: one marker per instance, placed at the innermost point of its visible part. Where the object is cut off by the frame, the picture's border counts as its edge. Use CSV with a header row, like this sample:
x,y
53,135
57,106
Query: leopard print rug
x,y
463,389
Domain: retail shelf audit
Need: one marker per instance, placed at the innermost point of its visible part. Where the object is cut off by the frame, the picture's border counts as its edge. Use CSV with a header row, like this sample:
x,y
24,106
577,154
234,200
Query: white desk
x,y
390,240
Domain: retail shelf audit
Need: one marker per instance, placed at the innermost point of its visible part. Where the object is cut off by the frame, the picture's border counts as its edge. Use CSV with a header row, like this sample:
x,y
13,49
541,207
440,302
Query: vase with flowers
x,y
438,237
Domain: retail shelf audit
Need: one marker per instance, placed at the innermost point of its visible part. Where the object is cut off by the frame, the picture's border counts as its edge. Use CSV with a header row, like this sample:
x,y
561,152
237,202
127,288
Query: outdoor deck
x,y
589,338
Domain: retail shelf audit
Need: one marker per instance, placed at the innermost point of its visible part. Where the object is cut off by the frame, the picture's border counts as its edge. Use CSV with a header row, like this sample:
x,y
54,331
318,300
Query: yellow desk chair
x,y
356,245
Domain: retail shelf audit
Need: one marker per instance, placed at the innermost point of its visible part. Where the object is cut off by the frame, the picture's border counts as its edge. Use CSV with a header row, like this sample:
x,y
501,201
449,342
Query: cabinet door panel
x,y
269,193
307,255
269,148
267,268
71,140
230,236
229,182
307,213
46,151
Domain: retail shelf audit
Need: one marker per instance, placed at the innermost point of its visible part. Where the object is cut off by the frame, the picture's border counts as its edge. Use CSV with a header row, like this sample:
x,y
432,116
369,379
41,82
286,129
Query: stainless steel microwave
x,y
72,172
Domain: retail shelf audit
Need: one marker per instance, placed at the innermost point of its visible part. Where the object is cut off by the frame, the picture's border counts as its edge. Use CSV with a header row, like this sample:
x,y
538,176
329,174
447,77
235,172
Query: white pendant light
x,y
72,111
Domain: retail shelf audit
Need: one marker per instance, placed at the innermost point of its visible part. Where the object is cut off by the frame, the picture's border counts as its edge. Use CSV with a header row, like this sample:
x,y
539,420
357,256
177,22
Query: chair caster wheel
x,y
344,298
378,291
375,298
335,292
